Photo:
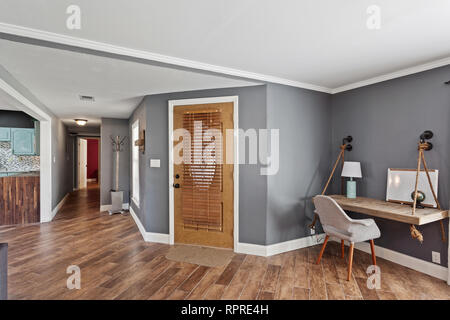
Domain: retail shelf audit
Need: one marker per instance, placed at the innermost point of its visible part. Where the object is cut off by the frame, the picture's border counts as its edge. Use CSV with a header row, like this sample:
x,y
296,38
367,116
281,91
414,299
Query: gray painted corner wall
x,y
113,127
62,162
385,120
271,208
303,118
252,187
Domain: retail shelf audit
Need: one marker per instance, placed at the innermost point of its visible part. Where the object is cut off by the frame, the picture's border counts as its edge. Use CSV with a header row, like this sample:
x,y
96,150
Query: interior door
x,y
203,182
82,163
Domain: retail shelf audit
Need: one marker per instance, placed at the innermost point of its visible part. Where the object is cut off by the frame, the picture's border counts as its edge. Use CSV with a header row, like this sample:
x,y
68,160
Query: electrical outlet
x,y
436,257
313,231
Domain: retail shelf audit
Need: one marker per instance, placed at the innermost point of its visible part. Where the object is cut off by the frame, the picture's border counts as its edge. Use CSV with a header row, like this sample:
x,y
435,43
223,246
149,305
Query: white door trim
x,y
235,101
82,162
26,105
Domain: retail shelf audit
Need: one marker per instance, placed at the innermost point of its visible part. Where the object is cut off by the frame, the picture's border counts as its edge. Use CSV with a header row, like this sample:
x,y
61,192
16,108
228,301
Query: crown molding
x,y
393,75
196,65
150,56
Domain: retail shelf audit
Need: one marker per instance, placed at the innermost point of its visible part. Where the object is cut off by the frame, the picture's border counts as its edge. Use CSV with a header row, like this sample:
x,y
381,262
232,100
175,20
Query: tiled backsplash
x,y
15,163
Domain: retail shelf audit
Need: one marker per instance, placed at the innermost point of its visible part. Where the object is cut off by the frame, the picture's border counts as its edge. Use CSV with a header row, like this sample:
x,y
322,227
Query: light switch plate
x,y
155,163
436,257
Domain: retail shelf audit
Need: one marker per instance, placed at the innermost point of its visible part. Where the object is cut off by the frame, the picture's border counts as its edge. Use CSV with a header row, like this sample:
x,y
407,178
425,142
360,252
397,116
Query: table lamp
x,y
351,169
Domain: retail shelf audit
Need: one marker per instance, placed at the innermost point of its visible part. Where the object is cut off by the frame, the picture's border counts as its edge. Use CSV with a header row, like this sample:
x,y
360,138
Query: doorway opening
x,y
88,164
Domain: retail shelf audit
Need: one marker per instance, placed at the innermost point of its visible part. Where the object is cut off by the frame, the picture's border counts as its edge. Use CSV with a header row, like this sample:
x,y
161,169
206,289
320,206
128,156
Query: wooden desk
x,y
391,211
396,212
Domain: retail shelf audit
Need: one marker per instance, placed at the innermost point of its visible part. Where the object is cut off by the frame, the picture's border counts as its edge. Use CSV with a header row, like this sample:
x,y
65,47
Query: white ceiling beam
x,y
150,56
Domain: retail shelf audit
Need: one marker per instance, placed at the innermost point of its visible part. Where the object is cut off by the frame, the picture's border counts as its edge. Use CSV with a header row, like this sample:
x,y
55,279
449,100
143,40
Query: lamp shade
x,y
351,169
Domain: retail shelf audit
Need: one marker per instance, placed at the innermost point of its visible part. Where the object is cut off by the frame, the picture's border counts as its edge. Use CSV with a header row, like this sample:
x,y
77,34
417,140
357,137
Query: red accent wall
x,y
92,158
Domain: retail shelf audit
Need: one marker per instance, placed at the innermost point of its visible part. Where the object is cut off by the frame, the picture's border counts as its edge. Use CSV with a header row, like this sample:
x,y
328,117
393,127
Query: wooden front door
x,y
203,181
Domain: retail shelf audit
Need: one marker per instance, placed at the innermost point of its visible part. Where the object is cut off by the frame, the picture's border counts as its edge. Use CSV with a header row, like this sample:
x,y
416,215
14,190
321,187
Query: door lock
x,y
176,185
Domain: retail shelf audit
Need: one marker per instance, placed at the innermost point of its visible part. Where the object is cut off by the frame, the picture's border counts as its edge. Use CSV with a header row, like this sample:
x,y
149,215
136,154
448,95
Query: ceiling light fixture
x,y
81,122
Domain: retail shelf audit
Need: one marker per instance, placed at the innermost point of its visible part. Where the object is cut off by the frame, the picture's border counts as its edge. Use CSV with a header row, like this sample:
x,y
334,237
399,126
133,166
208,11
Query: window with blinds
x,y
202,206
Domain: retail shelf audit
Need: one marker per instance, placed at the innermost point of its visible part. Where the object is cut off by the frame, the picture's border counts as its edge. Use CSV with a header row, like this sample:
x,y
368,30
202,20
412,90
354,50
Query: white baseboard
x,y
420,265
107,207
249,248
58,206
277,248
149,236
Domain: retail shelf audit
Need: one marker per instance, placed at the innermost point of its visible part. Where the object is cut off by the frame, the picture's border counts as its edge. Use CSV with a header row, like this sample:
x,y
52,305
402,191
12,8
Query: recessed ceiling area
x,y
320,42
59,77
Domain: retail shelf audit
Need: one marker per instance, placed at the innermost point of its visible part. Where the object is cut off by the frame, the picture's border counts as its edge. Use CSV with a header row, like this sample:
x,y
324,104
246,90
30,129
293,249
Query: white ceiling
x,y
318,42
4,106
57,78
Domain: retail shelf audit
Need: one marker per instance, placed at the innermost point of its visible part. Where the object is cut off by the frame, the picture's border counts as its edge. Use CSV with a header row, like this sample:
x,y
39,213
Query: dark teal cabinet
x,y
5,134
23,141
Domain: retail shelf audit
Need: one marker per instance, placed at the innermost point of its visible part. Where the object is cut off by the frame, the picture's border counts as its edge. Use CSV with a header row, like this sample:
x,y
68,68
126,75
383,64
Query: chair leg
x,y
342,249
323,249
350,260
372,247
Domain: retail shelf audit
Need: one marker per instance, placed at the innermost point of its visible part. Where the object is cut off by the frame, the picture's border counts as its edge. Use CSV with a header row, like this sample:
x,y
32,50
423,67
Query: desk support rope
x,y
424,146
345,146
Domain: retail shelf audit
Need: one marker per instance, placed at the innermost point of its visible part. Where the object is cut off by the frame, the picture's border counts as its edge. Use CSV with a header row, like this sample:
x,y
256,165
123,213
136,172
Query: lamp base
x,y
351,189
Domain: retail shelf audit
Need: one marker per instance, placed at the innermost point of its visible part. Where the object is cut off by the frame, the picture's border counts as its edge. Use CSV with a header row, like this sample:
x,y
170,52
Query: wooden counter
x,y
19,199
389,210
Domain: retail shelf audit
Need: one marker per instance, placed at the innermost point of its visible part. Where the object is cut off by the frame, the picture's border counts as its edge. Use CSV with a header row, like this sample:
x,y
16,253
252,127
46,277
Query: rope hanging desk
x,y
392,211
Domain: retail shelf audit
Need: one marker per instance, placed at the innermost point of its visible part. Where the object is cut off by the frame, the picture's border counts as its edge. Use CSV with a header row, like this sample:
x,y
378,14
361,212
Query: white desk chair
x,y
337,223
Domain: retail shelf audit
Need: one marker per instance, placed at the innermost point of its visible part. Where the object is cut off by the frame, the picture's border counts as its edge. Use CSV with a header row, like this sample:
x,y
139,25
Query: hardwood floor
x,y
116,263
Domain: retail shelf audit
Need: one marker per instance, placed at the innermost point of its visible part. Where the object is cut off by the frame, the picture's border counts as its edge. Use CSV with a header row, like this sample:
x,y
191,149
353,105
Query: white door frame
x,y
23,103
79,154
183,102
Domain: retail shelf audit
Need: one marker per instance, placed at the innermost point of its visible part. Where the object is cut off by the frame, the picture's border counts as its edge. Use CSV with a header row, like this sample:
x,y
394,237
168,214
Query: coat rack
x,y
345,146
116,195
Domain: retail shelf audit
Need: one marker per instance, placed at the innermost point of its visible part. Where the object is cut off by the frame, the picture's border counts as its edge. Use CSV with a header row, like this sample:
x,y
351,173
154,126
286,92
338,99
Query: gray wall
x,y
114,127
62,162
304,120
154,213
15,119
386,120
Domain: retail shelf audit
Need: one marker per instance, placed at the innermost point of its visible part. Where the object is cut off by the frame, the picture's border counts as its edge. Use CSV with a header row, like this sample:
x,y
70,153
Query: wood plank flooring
x,y
116,263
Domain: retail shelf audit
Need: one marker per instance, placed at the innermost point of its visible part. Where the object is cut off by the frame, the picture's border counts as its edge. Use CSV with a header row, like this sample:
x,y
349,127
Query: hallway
x,y
116,263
